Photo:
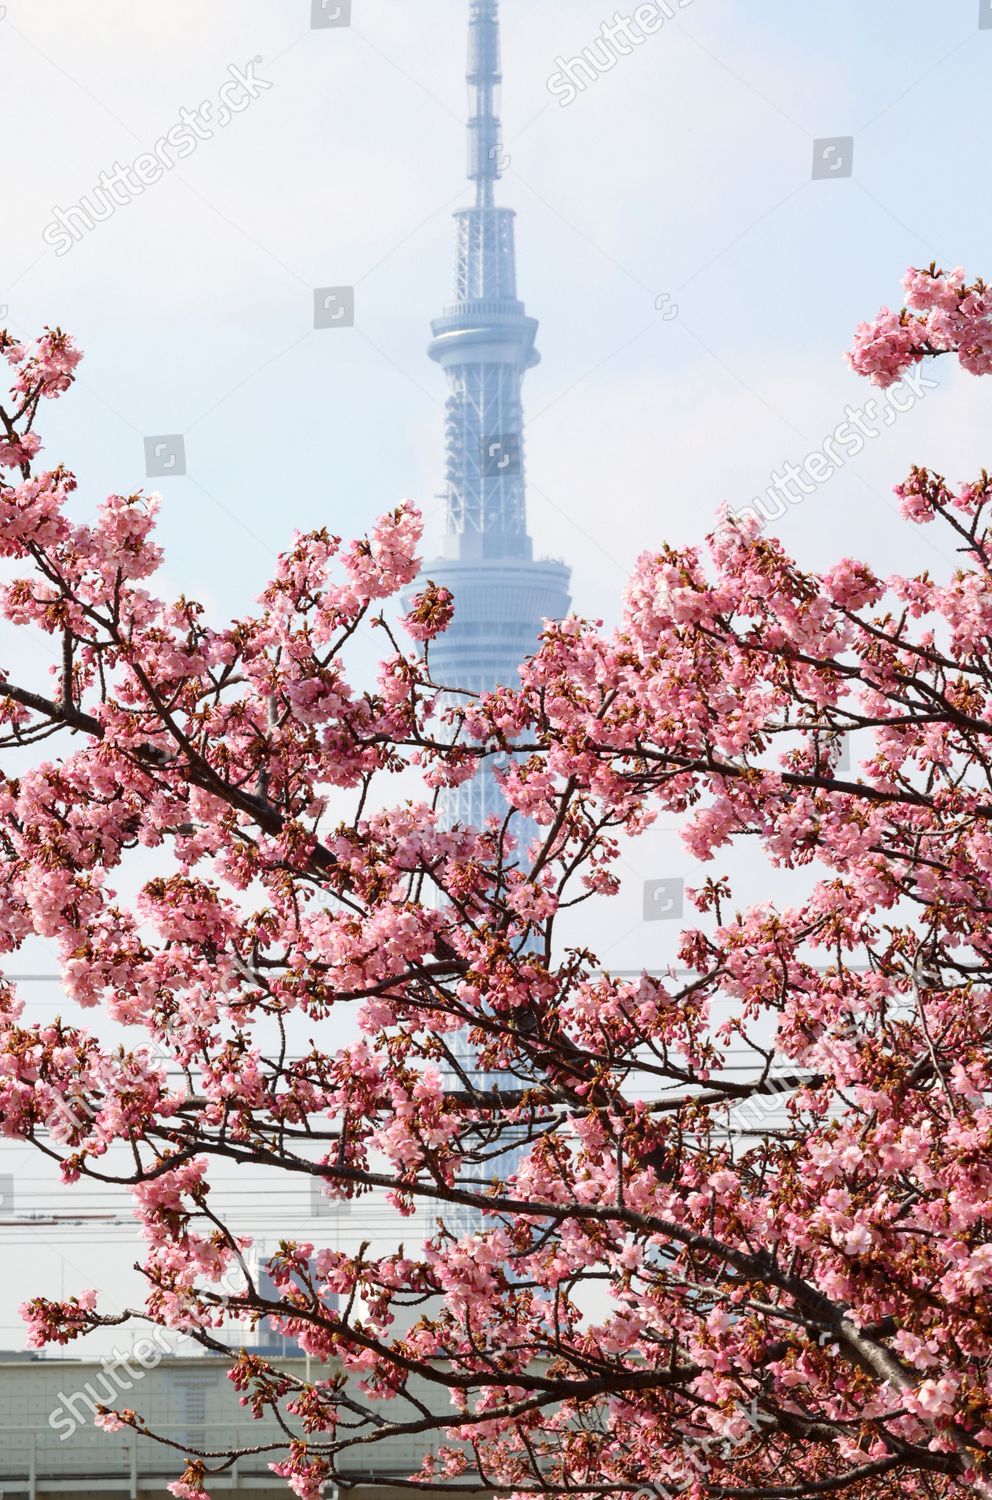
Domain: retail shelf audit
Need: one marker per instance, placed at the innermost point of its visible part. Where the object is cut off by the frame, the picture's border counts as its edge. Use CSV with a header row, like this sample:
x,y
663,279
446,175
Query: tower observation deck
x,y
485,343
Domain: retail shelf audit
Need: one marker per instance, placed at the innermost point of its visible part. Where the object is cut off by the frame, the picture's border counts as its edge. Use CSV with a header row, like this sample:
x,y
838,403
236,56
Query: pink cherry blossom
x,y
942,315
726,1227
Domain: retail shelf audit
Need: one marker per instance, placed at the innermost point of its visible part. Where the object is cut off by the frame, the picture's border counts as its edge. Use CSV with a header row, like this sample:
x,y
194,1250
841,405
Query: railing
x,y
33,1459
34,1462
482,311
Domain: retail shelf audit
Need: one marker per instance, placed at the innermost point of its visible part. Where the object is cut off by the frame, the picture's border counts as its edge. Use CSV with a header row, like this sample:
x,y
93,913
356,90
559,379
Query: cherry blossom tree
x,y
698,1280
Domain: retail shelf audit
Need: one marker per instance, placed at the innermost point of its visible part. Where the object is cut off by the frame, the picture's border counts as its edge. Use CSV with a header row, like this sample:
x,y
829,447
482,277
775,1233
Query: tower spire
x,y
484,340
485,154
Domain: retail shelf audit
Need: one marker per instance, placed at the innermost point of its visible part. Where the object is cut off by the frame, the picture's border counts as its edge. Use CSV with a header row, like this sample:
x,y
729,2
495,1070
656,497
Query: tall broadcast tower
x,y
484,342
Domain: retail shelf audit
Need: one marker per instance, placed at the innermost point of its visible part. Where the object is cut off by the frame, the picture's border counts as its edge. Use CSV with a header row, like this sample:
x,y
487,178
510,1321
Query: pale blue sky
x,y
685,170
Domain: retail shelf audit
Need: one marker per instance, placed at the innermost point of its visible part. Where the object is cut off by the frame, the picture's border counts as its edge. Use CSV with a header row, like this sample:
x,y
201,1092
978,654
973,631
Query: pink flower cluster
x,y
717,1226
943,314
